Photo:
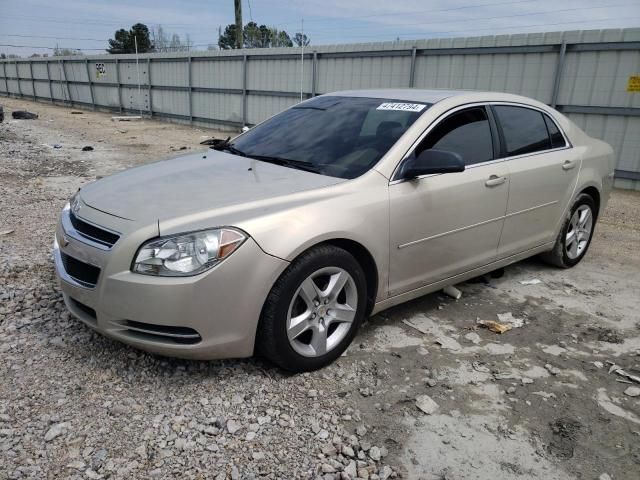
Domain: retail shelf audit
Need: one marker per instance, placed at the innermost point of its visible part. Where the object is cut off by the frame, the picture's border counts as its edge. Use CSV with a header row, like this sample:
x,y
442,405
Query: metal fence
x,y
584,74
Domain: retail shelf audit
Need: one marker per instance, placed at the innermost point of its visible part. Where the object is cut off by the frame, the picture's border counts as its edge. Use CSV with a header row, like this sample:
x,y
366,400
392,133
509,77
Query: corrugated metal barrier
x,y
592,76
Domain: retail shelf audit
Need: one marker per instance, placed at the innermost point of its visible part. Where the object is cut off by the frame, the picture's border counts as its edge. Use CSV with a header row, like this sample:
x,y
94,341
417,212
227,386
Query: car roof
x,y
432,95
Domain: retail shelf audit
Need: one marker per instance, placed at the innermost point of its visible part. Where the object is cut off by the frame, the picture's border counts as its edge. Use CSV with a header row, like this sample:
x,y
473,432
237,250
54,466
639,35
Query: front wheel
x,y
575,236
314,310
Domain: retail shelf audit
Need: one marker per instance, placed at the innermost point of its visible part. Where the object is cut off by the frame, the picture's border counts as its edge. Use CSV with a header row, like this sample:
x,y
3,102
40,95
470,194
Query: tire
x,y
291,299
563,257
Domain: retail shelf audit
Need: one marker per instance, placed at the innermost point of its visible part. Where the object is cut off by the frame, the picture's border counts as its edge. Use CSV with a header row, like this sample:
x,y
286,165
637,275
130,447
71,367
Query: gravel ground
x,y
423,393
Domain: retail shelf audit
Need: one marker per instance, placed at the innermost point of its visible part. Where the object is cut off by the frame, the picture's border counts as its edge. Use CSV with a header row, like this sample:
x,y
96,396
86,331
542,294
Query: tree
x,y
301,40
124,41
66,52
280,39
227,40
166,42
160,39
254,37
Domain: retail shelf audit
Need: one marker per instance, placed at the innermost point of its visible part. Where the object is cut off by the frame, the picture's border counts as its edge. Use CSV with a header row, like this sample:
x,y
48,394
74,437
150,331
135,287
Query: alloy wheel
x,y
579,232
322,311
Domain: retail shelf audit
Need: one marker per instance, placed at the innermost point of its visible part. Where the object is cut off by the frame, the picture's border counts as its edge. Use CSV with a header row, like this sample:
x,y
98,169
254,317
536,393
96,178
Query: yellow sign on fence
x,y
634,83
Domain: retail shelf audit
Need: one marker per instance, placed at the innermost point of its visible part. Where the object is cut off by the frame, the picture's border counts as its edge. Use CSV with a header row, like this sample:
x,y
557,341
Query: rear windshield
x,y
339,136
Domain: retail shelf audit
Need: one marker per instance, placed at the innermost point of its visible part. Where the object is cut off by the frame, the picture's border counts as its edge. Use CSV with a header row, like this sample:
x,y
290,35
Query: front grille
x,y
161,333
83,273
93,233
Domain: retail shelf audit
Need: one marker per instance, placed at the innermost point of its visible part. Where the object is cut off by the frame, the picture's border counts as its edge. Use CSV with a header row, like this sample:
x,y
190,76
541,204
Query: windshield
x,y
337,136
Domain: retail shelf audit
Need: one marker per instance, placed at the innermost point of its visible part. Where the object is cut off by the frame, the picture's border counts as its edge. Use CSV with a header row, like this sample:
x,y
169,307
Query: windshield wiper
x,y
228,146
285,162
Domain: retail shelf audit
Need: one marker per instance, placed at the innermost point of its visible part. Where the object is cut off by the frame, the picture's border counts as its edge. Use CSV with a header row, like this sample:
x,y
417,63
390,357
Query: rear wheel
x,y
314,310
575,236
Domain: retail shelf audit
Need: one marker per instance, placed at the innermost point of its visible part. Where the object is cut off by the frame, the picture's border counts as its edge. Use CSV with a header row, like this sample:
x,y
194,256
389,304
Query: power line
x,y
417,12
369,36
48,48
513,27
53,38
86,21
392,25
496,17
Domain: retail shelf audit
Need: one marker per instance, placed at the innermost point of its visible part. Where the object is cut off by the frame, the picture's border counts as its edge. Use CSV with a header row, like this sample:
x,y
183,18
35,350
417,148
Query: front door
x,y
442,225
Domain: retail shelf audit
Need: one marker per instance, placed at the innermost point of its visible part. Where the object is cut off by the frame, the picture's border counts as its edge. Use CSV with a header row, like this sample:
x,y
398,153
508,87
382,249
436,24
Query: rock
x,y
374,453
142,451
363,473
361,430
87,148
258,456
326,468
312,393
426,404
55,431
76,464
351,469
473,337
233,426
552,370
526,381
92,475
511,390
365,392
448,343
347,451
23,115
385,472
604,476
329,450
632,391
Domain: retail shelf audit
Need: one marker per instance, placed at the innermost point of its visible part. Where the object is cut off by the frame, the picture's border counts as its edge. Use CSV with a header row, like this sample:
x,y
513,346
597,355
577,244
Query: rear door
x,y
543,171
442,225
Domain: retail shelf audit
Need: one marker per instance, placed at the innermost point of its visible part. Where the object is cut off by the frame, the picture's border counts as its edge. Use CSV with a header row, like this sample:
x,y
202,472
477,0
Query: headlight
x,y
188,253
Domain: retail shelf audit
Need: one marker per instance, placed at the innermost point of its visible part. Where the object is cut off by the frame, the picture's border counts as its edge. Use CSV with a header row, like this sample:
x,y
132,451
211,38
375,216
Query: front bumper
x,y
211,315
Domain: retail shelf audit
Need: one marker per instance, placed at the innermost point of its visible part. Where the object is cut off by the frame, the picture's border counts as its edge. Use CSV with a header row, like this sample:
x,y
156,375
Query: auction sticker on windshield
x,y
404,107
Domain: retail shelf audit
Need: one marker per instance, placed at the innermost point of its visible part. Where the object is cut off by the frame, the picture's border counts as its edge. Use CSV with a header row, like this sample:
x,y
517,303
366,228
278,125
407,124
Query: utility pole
x,y
239,39
302,59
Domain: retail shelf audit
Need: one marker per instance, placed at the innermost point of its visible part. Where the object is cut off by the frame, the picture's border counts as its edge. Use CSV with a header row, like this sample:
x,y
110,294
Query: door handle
x,y
568,165
495,180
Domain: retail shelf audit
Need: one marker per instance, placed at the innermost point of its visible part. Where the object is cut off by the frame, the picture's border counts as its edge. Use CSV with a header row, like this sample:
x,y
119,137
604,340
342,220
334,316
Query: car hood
x,y
195,183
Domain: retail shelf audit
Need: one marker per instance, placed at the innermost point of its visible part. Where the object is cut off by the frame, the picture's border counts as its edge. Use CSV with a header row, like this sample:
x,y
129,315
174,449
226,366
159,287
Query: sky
x,y
37,26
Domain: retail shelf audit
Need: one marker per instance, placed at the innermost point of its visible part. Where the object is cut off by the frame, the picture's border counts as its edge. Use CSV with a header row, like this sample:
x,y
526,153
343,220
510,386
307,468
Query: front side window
x,y
524,130
466,133
337,136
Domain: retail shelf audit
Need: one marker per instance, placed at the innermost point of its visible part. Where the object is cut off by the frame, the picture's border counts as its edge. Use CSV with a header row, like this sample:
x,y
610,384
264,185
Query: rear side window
x,y
525,130
557,140
466,132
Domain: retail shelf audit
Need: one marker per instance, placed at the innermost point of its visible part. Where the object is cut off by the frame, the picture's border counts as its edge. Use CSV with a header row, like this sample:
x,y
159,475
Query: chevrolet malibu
x,y
282,240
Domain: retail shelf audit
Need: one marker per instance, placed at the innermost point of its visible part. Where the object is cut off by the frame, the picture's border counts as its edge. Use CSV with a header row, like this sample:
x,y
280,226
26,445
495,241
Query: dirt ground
x,y
548,399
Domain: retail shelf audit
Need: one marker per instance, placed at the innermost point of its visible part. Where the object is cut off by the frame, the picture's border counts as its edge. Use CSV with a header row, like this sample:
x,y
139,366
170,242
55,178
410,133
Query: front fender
x,y
357,210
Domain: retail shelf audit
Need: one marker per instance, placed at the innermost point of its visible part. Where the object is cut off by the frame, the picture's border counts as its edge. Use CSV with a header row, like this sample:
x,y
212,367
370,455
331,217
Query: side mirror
x,y
433,161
